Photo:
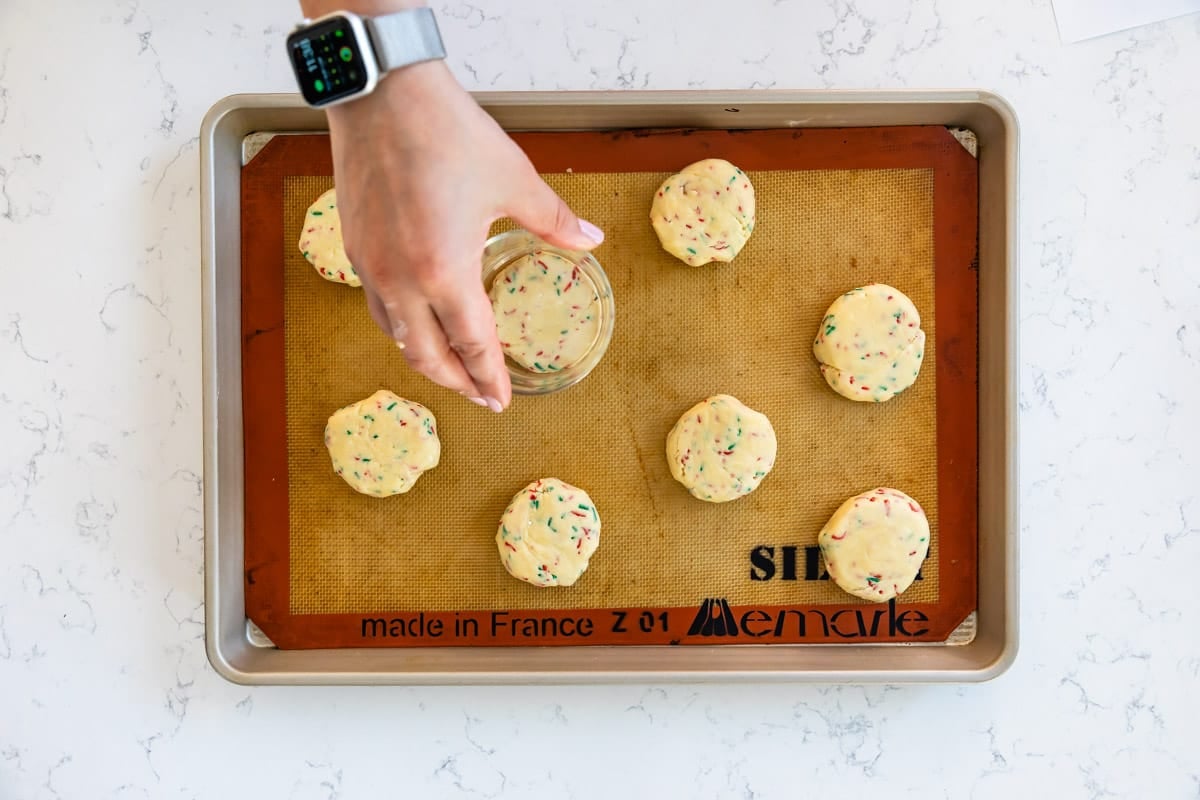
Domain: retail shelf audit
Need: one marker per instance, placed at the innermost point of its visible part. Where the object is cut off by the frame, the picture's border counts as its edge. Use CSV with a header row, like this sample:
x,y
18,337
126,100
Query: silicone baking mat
x,y
836,209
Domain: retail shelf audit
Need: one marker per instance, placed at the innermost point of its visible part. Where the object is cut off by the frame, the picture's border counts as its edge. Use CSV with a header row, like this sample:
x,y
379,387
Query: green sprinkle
x,y
393,405
368,418
690,250
366,461
829,329
349,433
318,213
305,254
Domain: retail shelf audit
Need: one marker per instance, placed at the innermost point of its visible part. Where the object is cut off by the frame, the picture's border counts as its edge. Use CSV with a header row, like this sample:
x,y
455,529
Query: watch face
x,y
328,61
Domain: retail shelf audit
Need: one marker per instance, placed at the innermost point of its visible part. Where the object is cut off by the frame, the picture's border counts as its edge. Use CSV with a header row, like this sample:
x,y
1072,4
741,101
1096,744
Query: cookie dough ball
x,y
321,241
705,212
874,544
381,445
547,311
548,533
870,344
720,449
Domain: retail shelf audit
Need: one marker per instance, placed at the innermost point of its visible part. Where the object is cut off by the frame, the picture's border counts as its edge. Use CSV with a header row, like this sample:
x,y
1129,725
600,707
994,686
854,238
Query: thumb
x,y
538,209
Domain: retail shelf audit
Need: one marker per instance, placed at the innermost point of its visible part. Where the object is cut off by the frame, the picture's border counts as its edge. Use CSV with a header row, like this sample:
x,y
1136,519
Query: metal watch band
x,y
404,38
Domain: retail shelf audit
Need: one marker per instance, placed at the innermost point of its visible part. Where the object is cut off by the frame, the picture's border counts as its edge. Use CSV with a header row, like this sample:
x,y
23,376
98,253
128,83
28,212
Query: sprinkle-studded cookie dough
x,y
870,344
547,311
705,212
720,449
321,241
874,544
382,445
548,533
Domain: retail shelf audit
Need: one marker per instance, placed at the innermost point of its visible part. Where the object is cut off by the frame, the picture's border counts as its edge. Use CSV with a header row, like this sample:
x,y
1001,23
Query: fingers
x,y
470,327
416,329
538,209
377,311
426,349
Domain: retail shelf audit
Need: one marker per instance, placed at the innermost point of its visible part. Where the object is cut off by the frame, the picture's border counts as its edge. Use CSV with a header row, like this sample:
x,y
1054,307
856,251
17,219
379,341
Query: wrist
x,y
415,85
317,8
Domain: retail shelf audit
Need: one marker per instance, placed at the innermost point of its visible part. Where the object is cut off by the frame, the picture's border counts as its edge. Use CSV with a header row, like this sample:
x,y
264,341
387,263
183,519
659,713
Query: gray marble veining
x,y
106,691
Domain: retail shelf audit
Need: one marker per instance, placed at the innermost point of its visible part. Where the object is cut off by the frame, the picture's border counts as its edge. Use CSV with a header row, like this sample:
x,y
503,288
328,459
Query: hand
x,y
421,173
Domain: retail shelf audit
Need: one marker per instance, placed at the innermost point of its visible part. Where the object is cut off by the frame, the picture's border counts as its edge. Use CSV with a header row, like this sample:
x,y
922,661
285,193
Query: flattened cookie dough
x,y
874,544
321,241
720,449
547,311
548,533
382,445
705,212
870,343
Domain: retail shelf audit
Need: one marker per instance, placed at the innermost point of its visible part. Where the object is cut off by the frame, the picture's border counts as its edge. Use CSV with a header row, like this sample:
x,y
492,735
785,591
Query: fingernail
x,y
479,401
493,404
591,231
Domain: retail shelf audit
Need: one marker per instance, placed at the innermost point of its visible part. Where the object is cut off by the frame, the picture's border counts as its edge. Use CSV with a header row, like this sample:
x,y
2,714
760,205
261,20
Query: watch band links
x,y
404,38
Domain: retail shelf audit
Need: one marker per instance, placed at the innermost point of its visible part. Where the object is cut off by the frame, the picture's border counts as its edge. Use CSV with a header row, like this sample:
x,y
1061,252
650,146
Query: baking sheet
x,y
242,653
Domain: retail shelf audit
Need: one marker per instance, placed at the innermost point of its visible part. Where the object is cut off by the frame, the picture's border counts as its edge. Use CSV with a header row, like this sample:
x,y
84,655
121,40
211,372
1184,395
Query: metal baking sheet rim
x,y
243,656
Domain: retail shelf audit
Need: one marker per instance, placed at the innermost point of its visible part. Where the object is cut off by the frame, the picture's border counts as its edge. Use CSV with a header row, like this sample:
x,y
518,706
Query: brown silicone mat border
x,y
955,256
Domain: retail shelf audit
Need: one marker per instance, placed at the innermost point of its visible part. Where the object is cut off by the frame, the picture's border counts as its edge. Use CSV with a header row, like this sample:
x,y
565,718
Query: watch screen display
x,y
327,61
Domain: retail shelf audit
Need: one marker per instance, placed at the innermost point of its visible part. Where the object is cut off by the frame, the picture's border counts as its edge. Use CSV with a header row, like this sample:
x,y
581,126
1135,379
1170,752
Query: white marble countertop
x,y
105,691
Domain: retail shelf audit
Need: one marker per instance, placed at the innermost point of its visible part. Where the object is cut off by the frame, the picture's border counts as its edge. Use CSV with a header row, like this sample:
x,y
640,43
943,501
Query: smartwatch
x,y
341,56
